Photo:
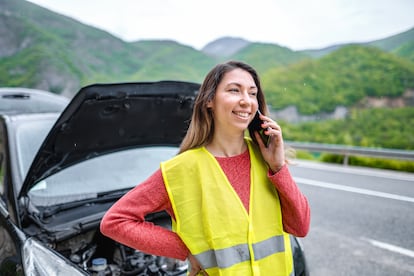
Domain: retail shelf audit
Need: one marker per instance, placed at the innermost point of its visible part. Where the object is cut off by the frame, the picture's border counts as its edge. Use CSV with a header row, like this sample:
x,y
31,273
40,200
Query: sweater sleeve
x,y
125,221
295,207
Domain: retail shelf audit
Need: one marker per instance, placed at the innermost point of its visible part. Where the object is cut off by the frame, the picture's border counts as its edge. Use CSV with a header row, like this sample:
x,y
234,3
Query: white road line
x,y
391,247
357,170
352,189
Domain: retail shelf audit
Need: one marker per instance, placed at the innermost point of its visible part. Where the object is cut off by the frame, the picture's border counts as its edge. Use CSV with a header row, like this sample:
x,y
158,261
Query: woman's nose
x,y
245,99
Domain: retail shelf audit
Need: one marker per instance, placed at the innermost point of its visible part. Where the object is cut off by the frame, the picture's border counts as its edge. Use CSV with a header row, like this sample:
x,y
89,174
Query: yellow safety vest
x,y
213,223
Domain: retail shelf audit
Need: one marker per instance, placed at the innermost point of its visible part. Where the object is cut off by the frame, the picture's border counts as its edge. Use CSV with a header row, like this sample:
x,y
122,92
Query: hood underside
x,y
104,118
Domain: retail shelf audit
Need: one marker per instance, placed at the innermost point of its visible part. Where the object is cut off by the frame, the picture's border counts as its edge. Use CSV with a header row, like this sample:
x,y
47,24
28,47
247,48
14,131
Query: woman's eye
x,y
253,94
234,90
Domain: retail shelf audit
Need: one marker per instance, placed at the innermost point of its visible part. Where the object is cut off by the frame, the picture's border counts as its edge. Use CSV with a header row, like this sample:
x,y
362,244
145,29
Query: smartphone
x,y
256,125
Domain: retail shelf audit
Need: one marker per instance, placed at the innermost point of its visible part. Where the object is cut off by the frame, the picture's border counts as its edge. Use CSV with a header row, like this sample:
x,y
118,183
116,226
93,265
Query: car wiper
x,y
100,198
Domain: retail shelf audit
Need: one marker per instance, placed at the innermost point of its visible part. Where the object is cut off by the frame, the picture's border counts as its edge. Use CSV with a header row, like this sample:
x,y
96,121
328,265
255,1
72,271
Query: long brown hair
x,y
201,129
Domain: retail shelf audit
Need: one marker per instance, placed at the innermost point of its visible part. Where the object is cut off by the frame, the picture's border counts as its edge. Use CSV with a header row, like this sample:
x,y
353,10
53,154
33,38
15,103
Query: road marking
x,y
391,247
358,170
352,189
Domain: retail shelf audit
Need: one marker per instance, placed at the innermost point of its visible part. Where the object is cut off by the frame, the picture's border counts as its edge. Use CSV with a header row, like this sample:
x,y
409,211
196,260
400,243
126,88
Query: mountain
x,y
225,47
401,44
392,43
45,50
262,56
54,52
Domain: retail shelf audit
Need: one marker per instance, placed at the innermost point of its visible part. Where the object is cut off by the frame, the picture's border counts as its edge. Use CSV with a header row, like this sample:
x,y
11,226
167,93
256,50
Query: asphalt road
x,y
362,220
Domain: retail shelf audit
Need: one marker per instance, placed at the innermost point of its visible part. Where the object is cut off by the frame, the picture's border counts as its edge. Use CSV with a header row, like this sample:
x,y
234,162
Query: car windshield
x,y
106,173
111,172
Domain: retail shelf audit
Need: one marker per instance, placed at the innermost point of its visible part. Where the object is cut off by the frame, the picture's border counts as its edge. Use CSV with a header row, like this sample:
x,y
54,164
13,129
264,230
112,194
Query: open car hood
x,y
104,118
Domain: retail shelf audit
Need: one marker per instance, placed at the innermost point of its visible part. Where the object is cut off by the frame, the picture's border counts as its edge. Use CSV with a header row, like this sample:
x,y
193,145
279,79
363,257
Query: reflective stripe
x,y
207,259
268,247
227,257
223,258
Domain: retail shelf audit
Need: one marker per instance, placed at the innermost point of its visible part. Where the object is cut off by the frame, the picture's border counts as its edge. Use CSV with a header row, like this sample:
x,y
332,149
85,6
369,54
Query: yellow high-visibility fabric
x,y
210,215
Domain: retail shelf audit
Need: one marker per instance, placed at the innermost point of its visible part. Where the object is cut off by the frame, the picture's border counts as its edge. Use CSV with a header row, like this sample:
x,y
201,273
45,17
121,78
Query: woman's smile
x,y
243,115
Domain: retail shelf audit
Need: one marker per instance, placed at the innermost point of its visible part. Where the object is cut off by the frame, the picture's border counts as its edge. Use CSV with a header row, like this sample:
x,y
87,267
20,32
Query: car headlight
x,y
39,260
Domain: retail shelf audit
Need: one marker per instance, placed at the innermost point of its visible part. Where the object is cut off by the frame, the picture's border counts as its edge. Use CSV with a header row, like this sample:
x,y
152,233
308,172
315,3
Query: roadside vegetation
x,y
375,128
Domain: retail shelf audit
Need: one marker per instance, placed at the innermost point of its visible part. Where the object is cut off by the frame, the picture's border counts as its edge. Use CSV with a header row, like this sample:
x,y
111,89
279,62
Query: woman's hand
x,y
274,153
195,267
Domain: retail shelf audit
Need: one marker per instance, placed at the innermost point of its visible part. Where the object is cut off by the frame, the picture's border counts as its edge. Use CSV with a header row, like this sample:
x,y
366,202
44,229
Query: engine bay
x,y
97,254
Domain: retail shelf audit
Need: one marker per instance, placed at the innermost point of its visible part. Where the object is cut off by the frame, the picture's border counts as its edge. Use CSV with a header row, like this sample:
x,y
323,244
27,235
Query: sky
x,y
296,24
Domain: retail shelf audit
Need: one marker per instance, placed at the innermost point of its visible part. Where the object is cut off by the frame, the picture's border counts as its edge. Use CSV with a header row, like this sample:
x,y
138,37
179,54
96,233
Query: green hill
x,y
342,78
53,52
264,56
171,60
391,43
401,44
406,51
56,52
388,44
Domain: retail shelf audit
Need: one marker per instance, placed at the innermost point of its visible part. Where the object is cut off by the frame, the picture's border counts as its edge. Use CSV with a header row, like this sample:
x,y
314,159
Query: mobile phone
x,y
256,125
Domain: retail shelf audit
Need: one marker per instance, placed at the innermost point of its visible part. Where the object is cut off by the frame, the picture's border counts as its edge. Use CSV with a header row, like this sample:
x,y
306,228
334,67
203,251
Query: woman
x,y
231,198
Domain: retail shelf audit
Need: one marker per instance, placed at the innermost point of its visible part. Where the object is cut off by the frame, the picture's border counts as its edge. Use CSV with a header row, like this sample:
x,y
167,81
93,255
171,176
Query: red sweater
x,y
124,221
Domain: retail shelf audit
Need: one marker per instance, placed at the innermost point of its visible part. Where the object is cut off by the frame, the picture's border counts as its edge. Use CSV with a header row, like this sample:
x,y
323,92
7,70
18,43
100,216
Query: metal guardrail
x,y
354,151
